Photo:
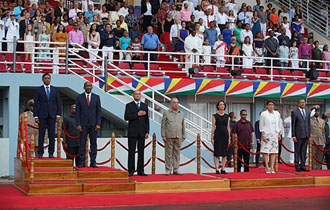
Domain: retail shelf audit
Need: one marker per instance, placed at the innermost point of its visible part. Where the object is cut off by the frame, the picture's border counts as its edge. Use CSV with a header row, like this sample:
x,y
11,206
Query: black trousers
x,y
222,27
258,155
82,143
327,158
269,63
153,56
146,22
245,156
279,151
300,149
73,151
132,143
49,124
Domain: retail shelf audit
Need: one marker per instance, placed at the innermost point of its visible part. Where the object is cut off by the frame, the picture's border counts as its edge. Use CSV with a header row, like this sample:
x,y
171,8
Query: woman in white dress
x,y
270,128
231,20
199,33
28,47
247,50
294,55
206,59
220,48
286,26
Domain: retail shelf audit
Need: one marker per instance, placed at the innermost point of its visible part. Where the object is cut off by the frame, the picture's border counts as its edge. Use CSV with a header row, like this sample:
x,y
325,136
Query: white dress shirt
x,y
198,15
215,9
174,30
207,19
148,12
73,13
222,18
84,5
124,11
245,33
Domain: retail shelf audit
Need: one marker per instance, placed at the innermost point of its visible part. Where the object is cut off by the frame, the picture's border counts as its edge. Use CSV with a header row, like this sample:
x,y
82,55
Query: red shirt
x,y
243,131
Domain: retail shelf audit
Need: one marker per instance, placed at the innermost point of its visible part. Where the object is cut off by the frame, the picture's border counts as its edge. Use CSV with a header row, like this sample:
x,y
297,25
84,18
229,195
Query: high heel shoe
x,y
272,171
217,171
223,171
268,171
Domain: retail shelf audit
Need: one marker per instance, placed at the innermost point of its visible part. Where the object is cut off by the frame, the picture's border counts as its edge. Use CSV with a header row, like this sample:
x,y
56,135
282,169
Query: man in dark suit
x,y
136,113
47,109
23,25
300,134
60,10
88,121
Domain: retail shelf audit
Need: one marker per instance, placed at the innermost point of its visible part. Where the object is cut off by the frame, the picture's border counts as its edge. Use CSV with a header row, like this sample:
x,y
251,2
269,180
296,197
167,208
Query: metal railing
x,y
316,14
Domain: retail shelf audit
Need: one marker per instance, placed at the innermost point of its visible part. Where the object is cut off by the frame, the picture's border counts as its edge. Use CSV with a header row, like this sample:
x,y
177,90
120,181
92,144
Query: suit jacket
x,y
43,108
301,128
57,11
137,126
22,28
88,115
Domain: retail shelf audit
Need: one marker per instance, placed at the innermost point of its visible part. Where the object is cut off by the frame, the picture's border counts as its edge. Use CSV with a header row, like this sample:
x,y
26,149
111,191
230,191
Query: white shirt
x,y
84,5
90,97
137,102
148,12
45,87
12,29
198,15
193,42
73,13
270,122
231,6
303,112
245,33
191,5
123,11
174,30
215,9
222,18
2,29
207,19
287,122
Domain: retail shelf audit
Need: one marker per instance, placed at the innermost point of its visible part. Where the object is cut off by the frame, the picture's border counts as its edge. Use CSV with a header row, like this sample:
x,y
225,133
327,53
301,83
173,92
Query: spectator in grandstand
x,y
44,36
124,42
326,57
110,5
48,11
212,34
263,21
104,13
93,40
231,5
101,27
272,47
316,54
76,36
124,9
299,14
136,113
220,138
257,6
258,49
166,29
227,34
80,18
247,32
22,16
5,10
273,19
191,5
55,25
295,38
185,13
269,10
286,25
201,26
305,52
36,16
317,135
60,10
150,42
40,24
243,132
46,111
173,134
208,18
292,11
247,50
327,139
294,55
192,45
213,7
70,27
284,37
182,35
122,23
73,13
221,18
284,52
206,49
191,25
220,49
131,20
23,25
231,19
234,49
118,31
161,16
244,17
18,9
12,31
237,32
84,28
65,20
85,5
28,37
283,14
134,32
174,31
146,14
255,24
95,20
136,45
297,26
199,33
71,144
198,13
270,128
108,43
90,13
61,36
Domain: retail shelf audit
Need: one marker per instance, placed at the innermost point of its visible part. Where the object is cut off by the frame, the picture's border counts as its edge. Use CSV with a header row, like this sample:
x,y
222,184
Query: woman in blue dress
x,y
44,37
182,34
297,26
256,24
227,34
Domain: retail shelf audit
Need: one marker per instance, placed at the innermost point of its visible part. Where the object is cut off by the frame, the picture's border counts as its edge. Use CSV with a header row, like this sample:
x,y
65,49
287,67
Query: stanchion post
x,y
32,159
25,116
235,154
153,168
66,56
276,162
310,154
87,149
59,138
198,154
113,142
18,155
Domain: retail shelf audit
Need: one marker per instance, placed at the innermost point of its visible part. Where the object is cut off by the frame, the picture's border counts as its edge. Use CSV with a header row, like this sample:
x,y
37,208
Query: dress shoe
x,y
51,156
223,172
81,166
142,174
130,173
93,165
217,171
304,169
177,173
298,169
229,164
39,156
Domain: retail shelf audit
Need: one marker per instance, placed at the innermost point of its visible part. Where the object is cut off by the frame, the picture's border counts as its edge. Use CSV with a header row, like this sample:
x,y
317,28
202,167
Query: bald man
x,y
88,121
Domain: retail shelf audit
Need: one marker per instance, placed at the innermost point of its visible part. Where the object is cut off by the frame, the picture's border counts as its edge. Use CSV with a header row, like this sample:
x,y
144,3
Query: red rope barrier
x,y
27,149
252,153
231,144
186,163
123,146
32,126
123,167
185,147
257,166
161,160
104,146
220,166
319,148
45,147
19,142
66,133
161,144
104,162
26,142
286,147
287,164
145,146
320,162
67,153
208,148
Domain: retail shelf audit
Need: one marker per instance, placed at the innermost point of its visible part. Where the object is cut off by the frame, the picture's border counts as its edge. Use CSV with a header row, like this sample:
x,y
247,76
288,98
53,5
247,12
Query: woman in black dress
x,y
220,136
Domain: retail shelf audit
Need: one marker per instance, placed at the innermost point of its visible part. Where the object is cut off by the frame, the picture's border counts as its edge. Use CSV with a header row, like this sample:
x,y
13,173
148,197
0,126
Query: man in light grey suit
x,y
300,134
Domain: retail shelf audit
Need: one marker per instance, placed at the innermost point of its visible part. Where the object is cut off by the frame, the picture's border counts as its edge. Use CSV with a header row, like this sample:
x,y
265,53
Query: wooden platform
x,y
58,177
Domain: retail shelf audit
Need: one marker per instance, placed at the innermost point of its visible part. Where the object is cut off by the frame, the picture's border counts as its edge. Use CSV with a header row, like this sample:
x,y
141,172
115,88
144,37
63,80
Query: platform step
x,y
54,188
101,173
50,162
118,186
51,175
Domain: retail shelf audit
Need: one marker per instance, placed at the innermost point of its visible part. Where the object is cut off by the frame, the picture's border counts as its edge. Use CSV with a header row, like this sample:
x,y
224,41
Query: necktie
x,y
48,93
304,114
88,99
26,23
208,21
138,105
212,10
244,17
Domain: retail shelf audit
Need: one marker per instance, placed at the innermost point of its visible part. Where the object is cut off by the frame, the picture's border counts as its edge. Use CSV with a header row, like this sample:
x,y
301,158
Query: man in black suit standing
x,y
300,134
47,109
136,113
60,10
23,25
88,121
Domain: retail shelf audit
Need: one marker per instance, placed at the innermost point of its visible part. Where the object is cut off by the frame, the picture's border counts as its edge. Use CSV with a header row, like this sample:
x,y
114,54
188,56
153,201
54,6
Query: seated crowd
x,y
213,26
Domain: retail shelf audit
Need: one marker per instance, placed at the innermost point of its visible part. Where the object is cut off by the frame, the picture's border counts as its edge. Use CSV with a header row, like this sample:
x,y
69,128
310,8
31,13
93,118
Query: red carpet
x,y
100,168
258,173
285,168
11,198
163,177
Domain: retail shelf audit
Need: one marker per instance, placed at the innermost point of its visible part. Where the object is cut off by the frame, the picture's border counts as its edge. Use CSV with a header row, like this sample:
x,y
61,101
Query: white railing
x,y
316,14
